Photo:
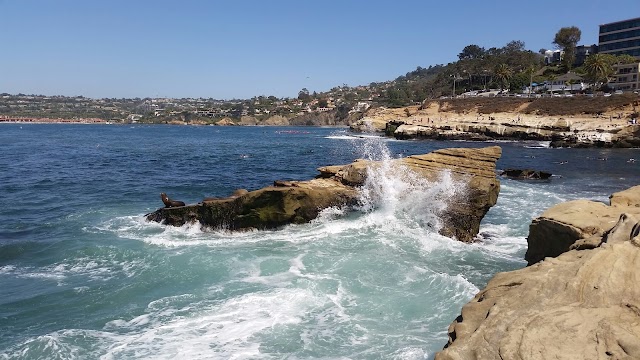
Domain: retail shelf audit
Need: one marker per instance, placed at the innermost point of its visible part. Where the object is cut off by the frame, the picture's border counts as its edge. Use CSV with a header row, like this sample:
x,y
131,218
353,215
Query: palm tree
x,y
503,73
598,68
531,70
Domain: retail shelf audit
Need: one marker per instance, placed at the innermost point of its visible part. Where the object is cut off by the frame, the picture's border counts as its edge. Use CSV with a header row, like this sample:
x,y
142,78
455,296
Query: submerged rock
x,y
472,171
525,174
582,304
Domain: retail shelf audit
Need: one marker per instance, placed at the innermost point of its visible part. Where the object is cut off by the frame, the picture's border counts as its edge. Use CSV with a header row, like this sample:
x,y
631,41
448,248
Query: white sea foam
x,y
91,269
341,137
411,353
539,145
226,330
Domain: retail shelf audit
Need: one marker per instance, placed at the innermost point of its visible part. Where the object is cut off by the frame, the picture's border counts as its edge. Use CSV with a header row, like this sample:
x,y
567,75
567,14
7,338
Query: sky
x,y
242,48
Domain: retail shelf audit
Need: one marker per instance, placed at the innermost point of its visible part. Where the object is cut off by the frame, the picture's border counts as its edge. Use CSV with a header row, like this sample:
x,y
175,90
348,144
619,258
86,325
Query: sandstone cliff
x,y
301,201
583,304
566,122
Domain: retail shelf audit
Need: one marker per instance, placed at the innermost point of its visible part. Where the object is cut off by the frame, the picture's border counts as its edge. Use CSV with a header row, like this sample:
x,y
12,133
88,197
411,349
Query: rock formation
x,y
620,137
582,304
267,208
577,224
225,122
565,122
525,174
300,201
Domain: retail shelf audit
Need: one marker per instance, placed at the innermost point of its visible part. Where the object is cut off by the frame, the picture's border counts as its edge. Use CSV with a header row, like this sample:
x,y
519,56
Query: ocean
x,y
84,276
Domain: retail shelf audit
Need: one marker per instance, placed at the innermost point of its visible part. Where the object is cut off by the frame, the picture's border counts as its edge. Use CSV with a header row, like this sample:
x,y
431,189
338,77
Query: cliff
x,y
582,304
289,202
566,122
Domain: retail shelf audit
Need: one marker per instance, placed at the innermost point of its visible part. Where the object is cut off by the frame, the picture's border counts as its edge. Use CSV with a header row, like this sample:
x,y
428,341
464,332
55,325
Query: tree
x,y
502,73
625,59
519,81
514,46
566,39
598,68
471,52
304,95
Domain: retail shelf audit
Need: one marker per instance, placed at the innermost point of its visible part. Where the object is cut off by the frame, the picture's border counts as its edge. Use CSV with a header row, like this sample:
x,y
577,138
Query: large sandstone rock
x,y
267,208
473,169
582,304
301,201
225,122
277,120
578,224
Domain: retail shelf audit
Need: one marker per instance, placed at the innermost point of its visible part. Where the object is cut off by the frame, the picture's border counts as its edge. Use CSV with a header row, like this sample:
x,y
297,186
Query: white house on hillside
x,y
570,82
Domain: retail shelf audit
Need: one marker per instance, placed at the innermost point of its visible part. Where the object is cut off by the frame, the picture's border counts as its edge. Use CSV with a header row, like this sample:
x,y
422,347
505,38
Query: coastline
x,y
558,120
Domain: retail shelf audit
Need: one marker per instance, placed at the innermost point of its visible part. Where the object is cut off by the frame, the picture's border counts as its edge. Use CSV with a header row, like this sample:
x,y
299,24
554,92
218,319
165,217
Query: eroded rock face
x,y
574,222
267,208
582,304
473,170
301,201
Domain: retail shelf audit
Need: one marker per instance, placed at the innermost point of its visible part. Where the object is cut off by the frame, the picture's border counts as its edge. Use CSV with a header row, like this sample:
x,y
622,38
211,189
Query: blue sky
x,y
242,48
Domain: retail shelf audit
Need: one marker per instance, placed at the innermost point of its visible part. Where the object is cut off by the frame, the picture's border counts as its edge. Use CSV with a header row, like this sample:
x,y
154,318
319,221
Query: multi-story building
x,y
627,77
552,56
621,37
582,51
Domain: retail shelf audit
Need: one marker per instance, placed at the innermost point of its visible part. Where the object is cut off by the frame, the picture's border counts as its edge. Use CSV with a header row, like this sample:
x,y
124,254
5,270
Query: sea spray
x,y
392,190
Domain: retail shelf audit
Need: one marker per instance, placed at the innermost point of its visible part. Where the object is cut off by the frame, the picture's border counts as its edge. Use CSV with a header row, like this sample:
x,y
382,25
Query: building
x,y
621,37
582,52
569,82
627,77
552,56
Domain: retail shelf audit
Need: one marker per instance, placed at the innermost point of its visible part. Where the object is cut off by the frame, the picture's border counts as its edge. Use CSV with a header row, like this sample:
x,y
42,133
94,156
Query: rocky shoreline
x,y
287,202
579,298
485,121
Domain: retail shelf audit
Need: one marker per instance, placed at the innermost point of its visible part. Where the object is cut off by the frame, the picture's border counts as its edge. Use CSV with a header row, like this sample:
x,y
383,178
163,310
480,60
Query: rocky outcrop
x,y
325,118
577,224
277,120
525,174
582,304
473,169
248,120
559,136
558,121
267,208
300,201
625,137
225,122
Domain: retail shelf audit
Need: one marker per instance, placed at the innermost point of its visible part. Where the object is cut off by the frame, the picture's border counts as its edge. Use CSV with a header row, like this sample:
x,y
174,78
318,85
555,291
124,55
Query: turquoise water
x,y
84,276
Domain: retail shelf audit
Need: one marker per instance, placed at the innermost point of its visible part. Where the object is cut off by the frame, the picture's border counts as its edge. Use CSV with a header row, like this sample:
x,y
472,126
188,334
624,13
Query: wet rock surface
x,y
287,202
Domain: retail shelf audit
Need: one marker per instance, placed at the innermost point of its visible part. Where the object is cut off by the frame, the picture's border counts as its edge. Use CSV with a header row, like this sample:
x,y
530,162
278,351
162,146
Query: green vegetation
x,y
598,68
548,106
477,68
567,39
509,68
